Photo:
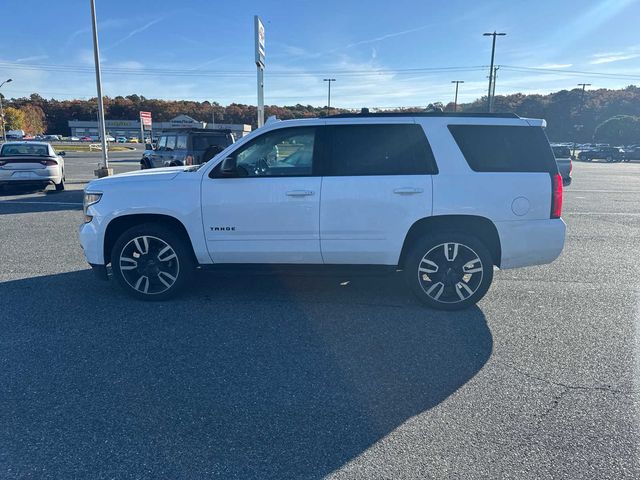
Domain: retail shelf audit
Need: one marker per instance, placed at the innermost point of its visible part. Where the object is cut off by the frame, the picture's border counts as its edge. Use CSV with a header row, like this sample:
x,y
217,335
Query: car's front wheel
x,y
449,271
151,262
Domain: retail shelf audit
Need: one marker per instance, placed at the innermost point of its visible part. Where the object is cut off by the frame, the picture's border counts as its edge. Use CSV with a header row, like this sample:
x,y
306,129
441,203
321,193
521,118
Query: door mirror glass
x,y
62,154
229,167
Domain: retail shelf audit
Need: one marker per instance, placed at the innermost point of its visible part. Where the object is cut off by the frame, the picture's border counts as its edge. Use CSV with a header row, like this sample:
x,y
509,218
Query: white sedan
x,y
31,163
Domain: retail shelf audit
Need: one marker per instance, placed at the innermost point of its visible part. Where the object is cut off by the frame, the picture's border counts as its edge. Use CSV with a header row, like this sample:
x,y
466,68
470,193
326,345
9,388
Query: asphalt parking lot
x,y
310,377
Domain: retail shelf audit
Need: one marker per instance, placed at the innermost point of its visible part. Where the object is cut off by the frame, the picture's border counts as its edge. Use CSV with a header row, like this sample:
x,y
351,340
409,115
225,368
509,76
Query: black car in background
x,y
610,154
186,147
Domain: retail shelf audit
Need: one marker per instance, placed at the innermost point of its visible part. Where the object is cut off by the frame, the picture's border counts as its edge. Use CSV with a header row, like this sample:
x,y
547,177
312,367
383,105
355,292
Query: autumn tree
x,y
34,119
619,130
14,119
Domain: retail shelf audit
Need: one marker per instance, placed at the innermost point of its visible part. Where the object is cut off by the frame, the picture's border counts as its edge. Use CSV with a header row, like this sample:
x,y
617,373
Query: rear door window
x,y
162,143
378,150
203,142
499,148
181,142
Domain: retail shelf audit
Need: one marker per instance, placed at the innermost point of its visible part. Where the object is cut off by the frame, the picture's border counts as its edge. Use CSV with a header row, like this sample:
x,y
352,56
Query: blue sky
x,y
379,51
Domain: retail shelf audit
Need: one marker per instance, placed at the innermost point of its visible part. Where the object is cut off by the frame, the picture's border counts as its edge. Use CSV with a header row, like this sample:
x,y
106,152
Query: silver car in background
x,y
31,163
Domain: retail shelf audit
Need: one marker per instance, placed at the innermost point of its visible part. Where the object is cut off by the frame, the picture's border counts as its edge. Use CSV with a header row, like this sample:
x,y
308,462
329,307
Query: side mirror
x,y
229,167
62,154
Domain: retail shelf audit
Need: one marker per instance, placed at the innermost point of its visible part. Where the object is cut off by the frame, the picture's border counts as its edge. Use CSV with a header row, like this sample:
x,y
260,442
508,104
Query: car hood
x,y
150,175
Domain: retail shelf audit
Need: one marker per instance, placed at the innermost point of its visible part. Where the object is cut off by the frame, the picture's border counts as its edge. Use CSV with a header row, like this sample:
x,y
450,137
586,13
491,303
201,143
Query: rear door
x,y
376,184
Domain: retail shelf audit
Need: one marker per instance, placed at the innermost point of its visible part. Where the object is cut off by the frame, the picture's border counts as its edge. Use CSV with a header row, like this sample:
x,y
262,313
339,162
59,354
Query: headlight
x,y
89,199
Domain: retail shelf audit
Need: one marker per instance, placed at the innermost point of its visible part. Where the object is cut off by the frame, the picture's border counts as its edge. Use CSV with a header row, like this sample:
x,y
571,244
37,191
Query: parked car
x,y
31,163
134,140
632,153
121,139
86,138
610,154
109,138
74,139
444,197
186,147
565,165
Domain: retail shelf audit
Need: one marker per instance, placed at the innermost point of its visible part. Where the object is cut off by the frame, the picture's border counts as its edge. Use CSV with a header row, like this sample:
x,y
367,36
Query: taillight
x,y
49,163
556,195
188,160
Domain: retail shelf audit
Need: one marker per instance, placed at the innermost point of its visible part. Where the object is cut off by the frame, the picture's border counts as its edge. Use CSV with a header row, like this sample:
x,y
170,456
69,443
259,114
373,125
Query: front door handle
x,y
408,190
299,193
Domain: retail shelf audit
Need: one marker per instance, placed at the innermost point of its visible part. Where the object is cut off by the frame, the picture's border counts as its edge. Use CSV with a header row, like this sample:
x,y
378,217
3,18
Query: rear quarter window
x,y
497,148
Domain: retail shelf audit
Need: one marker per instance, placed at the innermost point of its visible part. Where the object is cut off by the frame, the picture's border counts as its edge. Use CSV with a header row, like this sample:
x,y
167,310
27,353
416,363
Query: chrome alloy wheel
x,y
450,272
149,265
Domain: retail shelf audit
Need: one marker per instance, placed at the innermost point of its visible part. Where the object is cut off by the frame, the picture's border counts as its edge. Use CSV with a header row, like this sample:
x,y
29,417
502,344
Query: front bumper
x,y
91,242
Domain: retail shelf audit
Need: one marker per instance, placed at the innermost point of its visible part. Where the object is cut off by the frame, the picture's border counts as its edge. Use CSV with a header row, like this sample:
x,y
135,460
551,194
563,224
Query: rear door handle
x,y
299,193
407,190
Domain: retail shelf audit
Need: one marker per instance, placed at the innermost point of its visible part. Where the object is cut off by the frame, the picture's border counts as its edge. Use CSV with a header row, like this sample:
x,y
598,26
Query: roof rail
x,y
425,114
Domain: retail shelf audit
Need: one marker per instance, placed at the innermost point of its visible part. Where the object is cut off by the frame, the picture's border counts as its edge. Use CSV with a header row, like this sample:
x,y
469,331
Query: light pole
x,y
104,171
4,133
579,127
329,80
455,101
493,54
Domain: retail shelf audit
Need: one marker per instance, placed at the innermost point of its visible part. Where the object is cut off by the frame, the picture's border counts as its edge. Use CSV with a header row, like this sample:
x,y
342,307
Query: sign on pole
x,y
145,124
260,64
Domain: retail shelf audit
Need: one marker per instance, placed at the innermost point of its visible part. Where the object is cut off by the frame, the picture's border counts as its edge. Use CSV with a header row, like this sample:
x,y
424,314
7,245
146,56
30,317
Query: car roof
x,y
424,114
26,142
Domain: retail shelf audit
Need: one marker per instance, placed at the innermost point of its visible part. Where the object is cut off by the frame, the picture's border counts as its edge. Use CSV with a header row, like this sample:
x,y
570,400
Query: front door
x,y
268,210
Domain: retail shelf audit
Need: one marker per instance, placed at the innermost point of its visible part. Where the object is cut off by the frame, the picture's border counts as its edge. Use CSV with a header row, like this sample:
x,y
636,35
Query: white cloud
x,y
614,57
33,58
556,66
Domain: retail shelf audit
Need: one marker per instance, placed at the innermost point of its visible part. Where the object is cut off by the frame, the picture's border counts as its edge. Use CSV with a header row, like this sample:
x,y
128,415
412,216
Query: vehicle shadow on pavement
x,y
49,201
243,377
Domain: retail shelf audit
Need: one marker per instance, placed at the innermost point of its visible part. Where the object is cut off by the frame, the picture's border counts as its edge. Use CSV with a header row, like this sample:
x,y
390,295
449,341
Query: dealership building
x,y
131,128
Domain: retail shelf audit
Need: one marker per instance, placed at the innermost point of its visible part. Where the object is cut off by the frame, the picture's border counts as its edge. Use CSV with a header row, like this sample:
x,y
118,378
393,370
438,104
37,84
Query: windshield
x,y
24,149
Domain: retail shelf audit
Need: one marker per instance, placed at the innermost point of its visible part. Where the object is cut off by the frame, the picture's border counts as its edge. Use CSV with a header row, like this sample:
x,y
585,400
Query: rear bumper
x,y
530,242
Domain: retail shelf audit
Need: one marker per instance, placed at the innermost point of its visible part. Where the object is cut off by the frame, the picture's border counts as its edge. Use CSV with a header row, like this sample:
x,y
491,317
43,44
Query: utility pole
x,y
493,54
578,127
329,80
493,85
455,101
4,132
104,171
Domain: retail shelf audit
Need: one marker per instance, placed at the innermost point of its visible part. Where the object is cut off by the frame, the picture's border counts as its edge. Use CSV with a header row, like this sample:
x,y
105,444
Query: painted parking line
x,y
628,214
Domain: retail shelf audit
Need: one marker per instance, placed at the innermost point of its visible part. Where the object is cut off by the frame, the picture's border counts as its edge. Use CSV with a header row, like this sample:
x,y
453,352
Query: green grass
x,y
85,148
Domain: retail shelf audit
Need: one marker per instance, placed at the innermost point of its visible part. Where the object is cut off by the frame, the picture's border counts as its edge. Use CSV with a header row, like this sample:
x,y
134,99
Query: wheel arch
x,y
120,224
478,226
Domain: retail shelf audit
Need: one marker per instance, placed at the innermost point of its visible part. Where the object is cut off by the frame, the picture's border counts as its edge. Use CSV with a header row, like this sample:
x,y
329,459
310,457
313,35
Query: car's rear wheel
x,y
151,262
144,164
449,271
60,186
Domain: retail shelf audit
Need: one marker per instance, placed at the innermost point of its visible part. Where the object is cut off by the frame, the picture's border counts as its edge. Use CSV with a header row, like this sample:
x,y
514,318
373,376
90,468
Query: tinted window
x,y
24,149
494,148
279,153
201,142
181,142
561,152
379,150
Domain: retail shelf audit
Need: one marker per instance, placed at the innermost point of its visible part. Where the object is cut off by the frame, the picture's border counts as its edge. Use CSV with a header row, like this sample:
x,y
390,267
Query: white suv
x,y
442,197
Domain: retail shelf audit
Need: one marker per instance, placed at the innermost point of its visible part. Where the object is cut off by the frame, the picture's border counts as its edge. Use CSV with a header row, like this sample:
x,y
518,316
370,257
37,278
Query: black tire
x,y
133,258
144,164
462,285
60,186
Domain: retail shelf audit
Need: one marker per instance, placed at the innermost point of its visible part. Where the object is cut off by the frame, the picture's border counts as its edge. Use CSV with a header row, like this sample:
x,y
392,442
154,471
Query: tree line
x,y
601,115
